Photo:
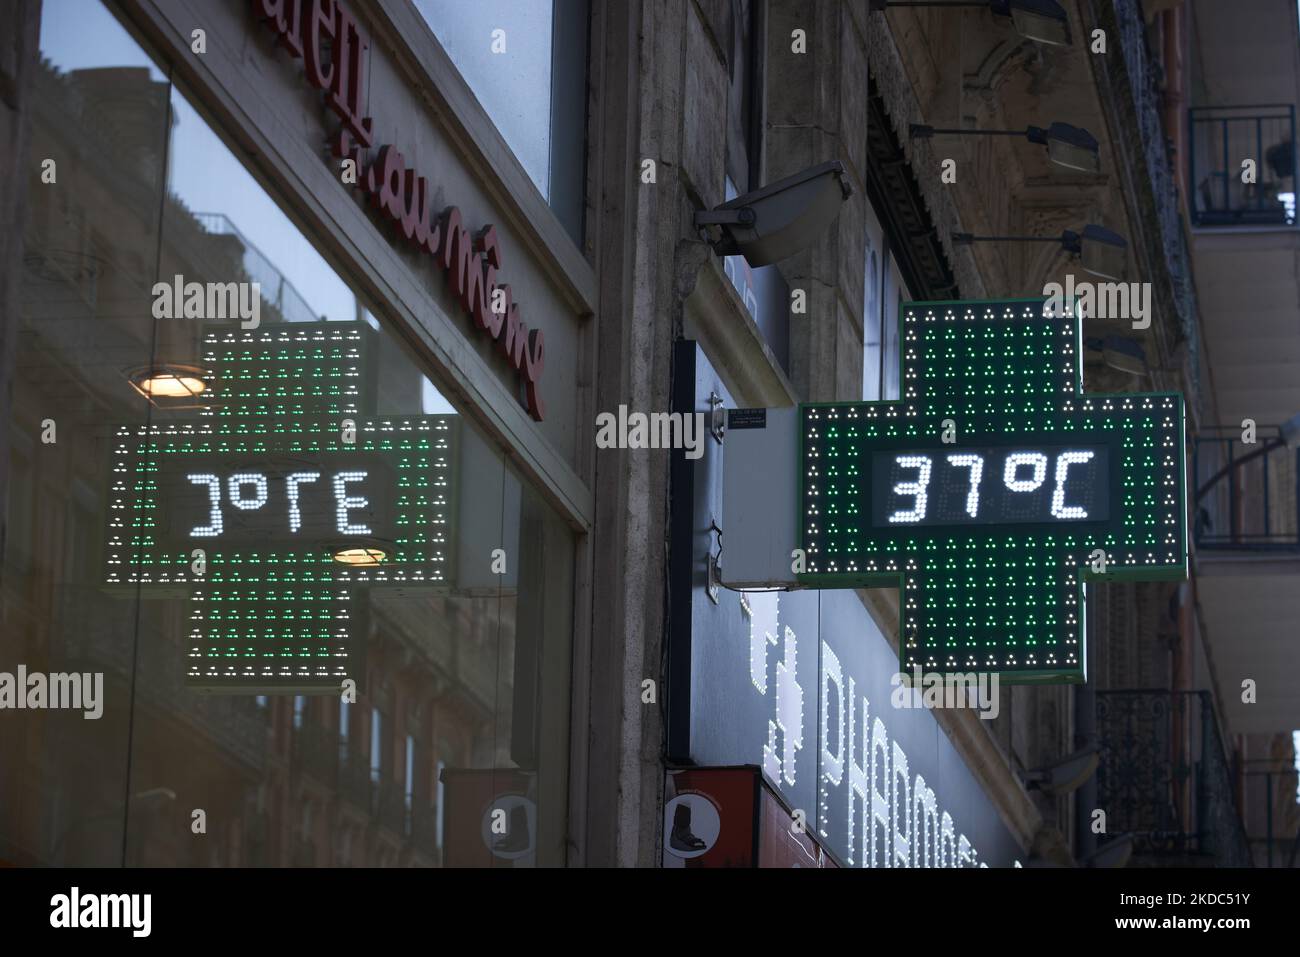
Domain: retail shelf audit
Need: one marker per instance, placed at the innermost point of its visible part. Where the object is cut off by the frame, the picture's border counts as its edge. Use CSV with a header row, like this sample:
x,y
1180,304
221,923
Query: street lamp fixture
x,y
1069,146
1043,21
1101,252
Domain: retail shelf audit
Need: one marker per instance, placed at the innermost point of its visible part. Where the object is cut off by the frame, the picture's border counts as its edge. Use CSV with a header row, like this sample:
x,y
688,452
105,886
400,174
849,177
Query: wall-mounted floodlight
x,y
1114,853
780,219
1070,146
1066,775
1101,252
1122,353
1043,21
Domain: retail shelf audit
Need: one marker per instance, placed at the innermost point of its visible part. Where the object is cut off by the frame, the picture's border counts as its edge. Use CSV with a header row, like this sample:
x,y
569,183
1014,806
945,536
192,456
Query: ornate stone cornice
x,y
892,88
896,195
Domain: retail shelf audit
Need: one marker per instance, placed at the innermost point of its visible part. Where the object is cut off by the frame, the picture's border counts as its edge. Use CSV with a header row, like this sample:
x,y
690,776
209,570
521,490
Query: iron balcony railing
x,y
1224,191
1247,493
1164,776
277,291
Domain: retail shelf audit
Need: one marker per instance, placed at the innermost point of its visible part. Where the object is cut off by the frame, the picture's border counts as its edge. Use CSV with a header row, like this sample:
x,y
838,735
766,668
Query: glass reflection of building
x,y
455,685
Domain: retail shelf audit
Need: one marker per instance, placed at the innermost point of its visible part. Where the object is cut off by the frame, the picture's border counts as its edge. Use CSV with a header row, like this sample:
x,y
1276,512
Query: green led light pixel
x,y
266,482
991,535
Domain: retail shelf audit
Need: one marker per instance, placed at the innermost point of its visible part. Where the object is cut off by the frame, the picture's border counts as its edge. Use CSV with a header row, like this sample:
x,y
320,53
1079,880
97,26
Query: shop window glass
x,y
148,191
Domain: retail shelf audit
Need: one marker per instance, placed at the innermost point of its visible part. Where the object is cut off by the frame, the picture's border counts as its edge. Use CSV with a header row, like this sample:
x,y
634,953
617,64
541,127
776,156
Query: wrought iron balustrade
x,y
276,290
1224,192
1247,494
1164,776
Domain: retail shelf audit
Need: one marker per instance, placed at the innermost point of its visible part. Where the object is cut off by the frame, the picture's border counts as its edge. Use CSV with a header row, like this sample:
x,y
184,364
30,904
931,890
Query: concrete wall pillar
x,y
19,53
817,111
662,101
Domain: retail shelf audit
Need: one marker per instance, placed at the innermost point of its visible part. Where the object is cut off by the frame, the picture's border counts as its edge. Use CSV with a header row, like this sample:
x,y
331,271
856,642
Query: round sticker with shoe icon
x,y
691,825
509,825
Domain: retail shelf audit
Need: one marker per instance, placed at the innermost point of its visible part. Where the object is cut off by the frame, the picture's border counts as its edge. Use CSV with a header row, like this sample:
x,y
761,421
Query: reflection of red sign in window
x,y
309,28
489,819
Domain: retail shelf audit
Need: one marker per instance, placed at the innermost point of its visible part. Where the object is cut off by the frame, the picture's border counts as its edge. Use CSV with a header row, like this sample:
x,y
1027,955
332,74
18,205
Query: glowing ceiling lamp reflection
x,y
168,381
363,555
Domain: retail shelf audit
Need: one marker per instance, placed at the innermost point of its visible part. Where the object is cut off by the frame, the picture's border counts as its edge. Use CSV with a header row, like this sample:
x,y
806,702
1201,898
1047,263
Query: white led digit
x,y
1014,462
347,502
238,481
291,484
1063,463
917,489
215,523
976,465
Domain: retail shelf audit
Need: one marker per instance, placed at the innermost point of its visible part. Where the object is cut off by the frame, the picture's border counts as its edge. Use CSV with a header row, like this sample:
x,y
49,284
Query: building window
x,y
527,64
883,295
896,293
441,802
299,707
376,744
408,780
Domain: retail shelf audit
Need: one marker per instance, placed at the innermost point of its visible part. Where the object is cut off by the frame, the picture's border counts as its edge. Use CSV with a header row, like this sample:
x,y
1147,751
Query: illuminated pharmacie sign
x,y
278,501
335,54
991,489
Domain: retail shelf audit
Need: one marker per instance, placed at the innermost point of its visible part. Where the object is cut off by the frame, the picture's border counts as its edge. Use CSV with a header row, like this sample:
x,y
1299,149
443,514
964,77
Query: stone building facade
x,y
556,692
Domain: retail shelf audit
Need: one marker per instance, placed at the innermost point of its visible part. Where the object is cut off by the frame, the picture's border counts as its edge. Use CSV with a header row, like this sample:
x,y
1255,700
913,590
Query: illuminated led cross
x,y
277,479
992,489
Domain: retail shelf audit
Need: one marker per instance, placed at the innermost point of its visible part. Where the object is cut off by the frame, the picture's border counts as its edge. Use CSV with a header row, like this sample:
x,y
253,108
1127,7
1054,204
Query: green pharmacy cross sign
x,y
992,490
273,500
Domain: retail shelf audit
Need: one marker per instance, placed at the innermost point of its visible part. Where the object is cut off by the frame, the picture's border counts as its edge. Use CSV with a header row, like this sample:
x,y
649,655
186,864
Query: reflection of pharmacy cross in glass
x,y
276,502
991,489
